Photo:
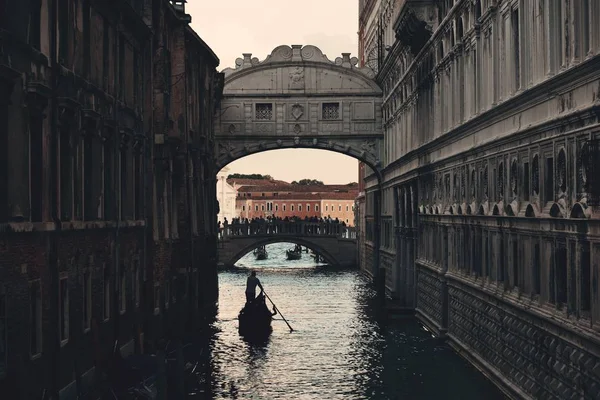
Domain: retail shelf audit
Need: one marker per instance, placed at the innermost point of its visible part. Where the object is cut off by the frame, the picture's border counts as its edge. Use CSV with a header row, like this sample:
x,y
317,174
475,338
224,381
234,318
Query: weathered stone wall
x,y
79,180
491,118
526,352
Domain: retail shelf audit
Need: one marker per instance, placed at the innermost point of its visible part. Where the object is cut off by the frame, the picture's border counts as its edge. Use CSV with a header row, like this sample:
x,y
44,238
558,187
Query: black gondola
x,y
294,254
255,319
261,253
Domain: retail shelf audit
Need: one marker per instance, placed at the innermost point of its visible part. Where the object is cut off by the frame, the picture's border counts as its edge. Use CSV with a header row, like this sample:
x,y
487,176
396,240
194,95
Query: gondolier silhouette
x,y
251,285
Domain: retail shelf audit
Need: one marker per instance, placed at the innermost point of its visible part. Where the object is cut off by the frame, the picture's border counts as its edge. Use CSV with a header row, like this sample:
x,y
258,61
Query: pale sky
x,y
233,27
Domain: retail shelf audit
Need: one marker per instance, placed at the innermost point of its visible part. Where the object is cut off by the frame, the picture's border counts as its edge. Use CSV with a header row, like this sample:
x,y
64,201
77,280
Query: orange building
x,y
287,200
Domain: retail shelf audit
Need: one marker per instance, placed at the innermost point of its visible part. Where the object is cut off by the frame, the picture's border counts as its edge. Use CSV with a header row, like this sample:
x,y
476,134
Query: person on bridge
x,y
251,285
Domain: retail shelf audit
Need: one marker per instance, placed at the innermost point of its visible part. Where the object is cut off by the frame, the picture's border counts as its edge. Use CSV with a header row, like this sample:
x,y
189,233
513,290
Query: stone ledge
x,y
509,389
24,227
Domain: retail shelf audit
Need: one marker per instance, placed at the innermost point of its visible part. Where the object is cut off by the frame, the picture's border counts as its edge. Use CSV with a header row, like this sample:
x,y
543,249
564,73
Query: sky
x,y
233,27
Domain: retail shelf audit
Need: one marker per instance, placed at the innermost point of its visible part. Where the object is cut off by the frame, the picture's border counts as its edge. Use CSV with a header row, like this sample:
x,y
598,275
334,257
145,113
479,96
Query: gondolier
x,y
251,285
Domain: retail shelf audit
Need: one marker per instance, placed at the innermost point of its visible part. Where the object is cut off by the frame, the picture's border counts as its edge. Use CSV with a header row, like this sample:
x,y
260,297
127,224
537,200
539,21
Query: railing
x,y
284,228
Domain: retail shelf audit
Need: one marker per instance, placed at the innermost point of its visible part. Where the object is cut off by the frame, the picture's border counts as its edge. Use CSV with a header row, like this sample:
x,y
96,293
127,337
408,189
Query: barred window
x,y
331,110
264,111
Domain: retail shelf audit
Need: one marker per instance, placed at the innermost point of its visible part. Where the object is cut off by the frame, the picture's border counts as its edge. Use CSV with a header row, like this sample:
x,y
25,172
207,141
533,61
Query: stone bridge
x,y
334,242
298,98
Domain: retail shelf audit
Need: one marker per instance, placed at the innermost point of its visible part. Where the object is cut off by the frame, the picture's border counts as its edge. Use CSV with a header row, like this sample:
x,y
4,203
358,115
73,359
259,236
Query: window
x,y
586,288
135,283
3,335
87,299
308,207
292,207
560,269
256,207
516,48
35,317
299,207
515,262
347,208
243,208
122,290
105,293
526,186
276,207
262,207
549,180
326,207
316,207
536,269
339,208
63,316
347,220
284,207
264,111
331,111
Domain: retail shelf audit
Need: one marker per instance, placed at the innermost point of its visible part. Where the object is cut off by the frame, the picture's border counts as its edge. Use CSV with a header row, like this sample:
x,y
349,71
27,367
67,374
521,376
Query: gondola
x,y
255,319
261,253
293,254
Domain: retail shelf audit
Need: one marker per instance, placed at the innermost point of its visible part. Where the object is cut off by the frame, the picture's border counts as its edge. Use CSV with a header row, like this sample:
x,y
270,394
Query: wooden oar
x,y
279,312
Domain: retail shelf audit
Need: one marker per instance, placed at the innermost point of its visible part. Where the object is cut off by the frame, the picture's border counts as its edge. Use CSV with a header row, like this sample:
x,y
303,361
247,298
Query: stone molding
x,y
297,54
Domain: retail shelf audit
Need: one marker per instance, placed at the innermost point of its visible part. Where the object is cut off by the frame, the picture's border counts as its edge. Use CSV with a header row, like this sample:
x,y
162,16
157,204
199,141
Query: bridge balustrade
x,y
285,228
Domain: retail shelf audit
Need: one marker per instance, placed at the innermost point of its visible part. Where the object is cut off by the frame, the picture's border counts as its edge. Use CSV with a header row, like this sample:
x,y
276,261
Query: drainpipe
x,y
53,237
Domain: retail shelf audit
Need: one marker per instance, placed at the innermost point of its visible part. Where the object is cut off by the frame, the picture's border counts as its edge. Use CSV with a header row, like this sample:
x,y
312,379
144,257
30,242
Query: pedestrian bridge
x,y
336,243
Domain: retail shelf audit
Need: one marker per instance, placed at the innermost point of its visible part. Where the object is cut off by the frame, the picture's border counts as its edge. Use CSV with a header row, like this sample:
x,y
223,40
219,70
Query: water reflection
x,y
341,347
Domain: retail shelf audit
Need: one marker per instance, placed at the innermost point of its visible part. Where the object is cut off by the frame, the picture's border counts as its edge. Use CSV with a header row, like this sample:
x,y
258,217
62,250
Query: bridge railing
x,y
285,228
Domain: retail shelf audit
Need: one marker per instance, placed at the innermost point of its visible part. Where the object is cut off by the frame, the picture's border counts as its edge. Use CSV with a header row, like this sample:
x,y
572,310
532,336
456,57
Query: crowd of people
x,y
274,224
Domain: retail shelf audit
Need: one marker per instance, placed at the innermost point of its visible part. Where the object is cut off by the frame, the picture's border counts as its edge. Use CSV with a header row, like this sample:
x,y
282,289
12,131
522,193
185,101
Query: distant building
x,y
226,195
323,201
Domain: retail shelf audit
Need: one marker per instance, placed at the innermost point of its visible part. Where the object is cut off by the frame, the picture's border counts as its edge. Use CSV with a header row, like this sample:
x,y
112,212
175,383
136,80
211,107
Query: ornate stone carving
x,y
225,148
297,111
297,128
296,140
485,183
286,54
297,78
500,194
535,175
279,142
368,146
561,167
232,128
514,172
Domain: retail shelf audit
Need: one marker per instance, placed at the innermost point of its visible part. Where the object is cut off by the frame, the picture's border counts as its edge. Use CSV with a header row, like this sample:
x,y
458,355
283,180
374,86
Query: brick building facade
x,y
105,185
286,200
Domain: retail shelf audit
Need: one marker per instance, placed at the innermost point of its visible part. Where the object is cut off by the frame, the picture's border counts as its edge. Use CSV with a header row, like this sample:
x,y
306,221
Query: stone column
x,y
7,81
37,101
66,124
91,165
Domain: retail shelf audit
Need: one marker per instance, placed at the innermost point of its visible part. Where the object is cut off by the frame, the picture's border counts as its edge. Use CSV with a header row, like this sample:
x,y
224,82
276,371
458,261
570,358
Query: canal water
x,y
341,346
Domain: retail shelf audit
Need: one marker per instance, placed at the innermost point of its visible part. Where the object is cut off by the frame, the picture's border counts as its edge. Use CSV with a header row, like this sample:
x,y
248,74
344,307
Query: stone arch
x,y
330,259
530,211
298,98
556,211
578,211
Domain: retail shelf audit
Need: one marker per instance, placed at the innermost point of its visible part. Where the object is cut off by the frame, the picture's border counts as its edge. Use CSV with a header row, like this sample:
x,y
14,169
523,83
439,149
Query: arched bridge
x,y
334,242
298,98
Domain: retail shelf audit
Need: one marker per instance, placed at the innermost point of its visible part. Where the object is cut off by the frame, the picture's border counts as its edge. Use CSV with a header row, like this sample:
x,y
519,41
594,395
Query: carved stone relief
x,y
297,111
535,175
297,78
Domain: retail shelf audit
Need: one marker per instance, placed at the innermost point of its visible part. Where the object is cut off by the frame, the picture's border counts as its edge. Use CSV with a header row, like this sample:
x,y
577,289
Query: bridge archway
x,y
321,250
298,98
